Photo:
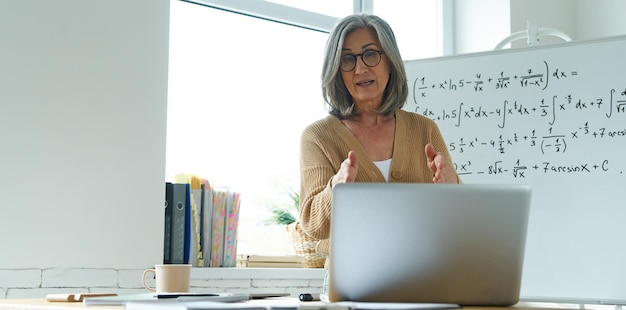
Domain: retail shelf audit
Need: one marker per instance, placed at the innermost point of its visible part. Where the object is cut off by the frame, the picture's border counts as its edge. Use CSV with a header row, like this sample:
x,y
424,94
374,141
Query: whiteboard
x,y
552,117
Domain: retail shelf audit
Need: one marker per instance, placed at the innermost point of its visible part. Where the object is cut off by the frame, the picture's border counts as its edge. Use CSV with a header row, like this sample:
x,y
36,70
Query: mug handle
x,y
143,279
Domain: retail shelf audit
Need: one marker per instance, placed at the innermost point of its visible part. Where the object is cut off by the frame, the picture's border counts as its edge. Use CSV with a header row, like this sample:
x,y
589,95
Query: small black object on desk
x,y
309,297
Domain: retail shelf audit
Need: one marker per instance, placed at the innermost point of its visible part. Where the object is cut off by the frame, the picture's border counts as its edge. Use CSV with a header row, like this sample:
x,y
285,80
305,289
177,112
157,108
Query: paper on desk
x,y
286,304
192,305
151,298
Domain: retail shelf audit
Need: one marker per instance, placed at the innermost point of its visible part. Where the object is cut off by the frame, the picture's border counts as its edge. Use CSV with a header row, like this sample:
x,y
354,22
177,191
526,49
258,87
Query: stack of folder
x,y
200,223
270,261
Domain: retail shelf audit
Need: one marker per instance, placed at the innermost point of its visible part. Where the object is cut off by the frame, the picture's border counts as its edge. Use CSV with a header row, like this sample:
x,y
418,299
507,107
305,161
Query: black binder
x,y
180,194
167,234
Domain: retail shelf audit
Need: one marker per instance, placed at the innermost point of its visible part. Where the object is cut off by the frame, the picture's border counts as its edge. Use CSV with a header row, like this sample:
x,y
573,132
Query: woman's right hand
x,y
347,172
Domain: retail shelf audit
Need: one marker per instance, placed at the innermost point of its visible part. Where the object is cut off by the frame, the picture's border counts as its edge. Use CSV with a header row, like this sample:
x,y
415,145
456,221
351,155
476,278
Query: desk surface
x,y
42,304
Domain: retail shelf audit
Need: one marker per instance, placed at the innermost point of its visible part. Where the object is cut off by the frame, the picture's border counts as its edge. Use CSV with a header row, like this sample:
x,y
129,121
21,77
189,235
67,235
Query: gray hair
x,y
335,93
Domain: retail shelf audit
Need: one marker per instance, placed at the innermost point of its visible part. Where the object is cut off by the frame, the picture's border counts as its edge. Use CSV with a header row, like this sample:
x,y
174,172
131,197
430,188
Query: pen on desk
x,y
309,297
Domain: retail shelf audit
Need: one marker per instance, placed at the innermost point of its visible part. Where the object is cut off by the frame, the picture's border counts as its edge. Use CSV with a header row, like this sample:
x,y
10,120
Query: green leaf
x,y
285,215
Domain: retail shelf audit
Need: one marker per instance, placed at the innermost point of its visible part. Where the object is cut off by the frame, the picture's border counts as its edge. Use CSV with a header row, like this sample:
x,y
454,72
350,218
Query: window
x,y
336,8
241,90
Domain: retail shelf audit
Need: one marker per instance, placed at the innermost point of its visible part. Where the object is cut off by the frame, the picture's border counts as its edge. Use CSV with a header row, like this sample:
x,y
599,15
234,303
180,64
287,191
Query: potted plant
x,y
303,244
285,214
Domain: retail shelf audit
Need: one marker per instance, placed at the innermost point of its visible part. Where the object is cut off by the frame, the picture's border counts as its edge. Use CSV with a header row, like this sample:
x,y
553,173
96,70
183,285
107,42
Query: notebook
x,y
164,298
429,243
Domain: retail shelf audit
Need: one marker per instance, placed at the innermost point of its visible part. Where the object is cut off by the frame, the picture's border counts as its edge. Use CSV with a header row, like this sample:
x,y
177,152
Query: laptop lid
x,y
431,243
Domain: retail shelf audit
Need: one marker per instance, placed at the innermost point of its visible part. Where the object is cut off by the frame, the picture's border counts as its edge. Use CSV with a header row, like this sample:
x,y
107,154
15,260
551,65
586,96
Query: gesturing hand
x,y
443,172
347,172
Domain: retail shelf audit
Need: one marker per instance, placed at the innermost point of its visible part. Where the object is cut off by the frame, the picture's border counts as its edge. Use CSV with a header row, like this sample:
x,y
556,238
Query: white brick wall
x,y
37,283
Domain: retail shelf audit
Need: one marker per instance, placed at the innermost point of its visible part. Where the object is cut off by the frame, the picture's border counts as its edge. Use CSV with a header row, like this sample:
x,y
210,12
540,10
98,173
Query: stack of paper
x,y
193,305
270,261
165,299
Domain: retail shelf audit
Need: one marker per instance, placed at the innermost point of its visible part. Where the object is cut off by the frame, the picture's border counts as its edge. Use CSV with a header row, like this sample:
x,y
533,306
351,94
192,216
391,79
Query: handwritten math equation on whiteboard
x,y
529,121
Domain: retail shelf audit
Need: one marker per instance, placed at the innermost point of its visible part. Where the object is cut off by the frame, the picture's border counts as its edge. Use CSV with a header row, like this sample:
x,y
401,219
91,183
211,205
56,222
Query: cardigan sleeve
x,y
316,172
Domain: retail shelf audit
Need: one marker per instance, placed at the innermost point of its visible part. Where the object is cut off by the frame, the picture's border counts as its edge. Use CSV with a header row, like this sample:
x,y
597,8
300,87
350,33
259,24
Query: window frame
x,y
320,22
273,12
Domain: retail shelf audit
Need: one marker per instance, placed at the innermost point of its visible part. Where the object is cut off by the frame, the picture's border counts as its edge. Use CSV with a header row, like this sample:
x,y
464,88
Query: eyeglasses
x,y
370,58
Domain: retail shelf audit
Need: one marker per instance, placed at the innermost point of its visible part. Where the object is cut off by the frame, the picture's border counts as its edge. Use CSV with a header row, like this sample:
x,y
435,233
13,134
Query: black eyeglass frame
x,y
354,57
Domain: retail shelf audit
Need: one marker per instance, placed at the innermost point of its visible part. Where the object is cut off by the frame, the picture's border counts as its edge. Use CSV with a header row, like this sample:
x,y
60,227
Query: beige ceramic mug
x,y
169,278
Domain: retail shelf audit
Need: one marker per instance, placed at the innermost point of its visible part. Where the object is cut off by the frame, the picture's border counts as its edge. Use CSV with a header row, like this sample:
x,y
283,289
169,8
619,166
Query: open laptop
x,y
428,243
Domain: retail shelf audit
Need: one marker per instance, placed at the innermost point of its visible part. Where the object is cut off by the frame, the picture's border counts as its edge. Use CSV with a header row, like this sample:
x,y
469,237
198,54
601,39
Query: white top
x,y
384,166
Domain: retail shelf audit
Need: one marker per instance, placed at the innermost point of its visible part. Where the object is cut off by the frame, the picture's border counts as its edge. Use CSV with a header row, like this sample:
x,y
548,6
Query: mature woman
x,y
367,137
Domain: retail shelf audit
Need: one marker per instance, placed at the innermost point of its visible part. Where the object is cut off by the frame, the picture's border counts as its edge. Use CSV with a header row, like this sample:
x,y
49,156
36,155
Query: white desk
x,y
42,304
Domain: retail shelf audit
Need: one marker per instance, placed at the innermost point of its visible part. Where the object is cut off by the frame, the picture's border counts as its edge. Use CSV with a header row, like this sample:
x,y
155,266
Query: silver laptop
x,y
430,243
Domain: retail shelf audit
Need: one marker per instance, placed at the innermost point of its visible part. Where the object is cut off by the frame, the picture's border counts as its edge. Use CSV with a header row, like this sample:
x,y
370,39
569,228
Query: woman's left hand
x,y
443,171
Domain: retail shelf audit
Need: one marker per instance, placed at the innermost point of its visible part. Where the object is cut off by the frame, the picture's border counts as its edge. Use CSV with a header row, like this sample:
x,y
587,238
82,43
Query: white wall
x,y
482,24
600,18
37,283
83,88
